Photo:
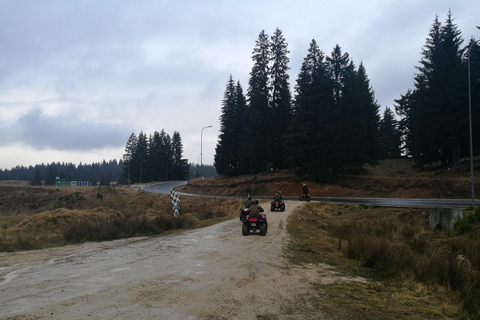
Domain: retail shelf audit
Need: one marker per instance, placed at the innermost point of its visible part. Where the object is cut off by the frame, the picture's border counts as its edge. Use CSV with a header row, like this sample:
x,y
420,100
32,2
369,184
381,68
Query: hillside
x,y
389,179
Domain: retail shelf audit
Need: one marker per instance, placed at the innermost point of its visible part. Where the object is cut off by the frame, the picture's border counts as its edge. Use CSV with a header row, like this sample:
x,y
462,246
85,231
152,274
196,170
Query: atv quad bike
x,y
252,224
277,205
305,197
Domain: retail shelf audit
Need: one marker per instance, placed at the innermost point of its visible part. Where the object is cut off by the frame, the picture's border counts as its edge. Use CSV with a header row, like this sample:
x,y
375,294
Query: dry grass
x,y
35,217
412,271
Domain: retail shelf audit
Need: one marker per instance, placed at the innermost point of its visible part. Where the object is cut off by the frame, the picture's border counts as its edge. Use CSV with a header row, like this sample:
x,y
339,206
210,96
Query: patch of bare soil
x,y
209,273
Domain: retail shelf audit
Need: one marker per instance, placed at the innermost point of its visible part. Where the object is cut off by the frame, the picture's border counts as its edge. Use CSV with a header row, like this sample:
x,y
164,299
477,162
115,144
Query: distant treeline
x,y
102,173
157,157
207,171
46,173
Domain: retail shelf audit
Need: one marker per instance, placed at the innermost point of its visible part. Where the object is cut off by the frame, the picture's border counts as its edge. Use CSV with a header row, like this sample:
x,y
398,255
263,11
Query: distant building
x,y
72,183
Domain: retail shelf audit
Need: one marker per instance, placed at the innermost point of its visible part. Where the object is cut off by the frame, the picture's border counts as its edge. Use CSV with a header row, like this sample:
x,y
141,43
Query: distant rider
x,y
278,196
304,189
248,202
255,210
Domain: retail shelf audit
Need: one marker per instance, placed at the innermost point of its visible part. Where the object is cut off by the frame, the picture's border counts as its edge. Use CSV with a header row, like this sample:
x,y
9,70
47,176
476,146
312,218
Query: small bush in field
x,y
465,225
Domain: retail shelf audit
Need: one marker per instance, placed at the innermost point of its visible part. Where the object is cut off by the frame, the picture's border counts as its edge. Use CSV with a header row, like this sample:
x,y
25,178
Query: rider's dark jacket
x,y
254,210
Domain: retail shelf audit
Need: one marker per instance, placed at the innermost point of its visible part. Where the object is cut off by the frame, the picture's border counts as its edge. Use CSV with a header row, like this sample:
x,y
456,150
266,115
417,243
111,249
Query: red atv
x,y
252,224
277,205
305,197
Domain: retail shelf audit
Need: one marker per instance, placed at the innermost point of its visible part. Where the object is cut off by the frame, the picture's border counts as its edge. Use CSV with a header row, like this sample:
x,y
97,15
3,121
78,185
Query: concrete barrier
x,y
443,219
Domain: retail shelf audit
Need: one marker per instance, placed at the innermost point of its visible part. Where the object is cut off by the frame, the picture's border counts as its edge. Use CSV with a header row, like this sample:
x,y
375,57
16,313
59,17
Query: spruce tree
x,y
435,116
364,118
389,136
259,107
280,98
37,178
167,151
130,148
225,153
310,125
341,140
51,175
180,171
232,151
241,146
156,157
139,158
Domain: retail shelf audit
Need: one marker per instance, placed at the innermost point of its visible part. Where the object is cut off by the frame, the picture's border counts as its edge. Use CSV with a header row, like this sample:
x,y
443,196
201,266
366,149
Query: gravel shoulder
x,y
208,273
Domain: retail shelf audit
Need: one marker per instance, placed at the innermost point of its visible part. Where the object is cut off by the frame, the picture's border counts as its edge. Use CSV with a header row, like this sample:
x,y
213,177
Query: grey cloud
x,y
66,133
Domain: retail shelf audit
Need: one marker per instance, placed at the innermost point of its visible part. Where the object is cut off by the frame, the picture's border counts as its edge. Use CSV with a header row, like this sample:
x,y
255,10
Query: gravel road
x,y
209,273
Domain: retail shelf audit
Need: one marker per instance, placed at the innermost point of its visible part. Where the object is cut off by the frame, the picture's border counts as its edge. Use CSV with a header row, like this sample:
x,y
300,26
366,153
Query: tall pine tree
x,y
389,136
180,165
435,113
130,148
258,95
225,160
280,98
310,125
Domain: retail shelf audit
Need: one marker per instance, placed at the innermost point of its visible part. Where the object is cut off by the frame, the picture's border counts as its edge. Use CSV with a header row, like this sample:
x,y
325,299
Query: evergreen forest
x,y
102,173
158,158
332,122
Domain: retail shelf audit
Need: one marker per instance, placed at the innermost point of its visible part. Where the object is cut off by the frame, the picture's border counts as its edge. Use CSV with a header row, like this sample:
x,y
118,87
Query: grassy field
x,y
38,217
410,271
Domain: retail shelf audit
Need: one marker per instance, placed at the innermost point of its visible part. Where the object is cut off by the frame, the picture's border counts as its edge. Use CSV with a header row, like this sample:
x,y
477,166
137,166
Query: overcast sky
x,y
78,77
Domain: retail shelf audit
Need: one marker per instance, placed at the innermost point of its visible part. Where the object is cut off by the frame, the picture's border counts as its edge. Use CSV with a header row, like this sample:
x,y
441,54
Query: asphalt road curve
x,y
165,188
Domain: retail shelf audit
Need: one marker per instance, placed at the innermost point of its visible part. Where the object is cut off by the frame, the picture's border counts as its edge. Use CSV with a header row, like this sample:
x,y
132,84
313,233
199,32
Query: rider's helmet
x,y
279,192
304,184
255,201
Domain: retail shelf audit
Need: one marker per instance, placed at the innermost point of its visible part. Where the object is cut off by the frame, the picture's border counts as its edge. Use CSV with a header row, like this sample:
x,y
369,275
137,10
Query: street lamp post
x,y
201,159
470,122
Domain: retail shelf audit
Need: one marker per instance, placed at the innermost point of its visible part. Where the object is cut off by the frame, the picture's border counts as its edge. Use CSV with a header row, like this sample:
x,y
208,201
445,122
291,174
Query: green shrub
x,y
465,225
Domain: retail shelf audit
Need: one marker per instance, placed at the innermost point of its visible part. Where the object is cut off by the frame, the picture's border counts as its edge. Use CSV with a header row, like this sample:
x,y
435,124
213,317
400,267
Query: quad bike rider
x,y
254,220
305,195
246,204
277,203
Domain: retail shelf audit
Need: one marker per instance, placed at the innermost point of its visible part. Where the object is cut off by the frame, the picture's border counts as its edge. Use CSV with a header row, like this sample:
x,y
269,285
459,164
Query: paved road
x,y
165,188
400,202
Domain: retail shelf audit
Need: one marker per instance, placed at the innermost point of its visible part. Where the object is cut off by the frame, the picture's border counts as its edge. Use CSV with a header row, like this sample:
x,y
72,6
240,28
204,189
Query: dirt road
x,y
209,273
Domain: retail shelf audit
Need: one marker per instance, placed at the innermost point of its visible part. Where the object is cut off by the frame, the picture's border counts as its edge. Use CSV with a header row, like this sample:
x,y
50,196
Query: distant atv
x,y
305,197
277,205
252,224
